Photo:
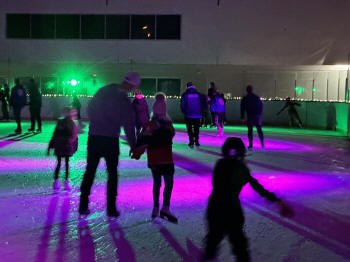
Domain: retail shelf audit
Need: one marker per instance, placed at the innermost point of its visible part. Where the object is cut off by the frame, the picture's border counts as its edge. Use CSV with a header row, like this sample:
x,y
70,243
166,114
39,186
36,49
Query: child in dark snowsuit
x,y
65,143
157,138
224,212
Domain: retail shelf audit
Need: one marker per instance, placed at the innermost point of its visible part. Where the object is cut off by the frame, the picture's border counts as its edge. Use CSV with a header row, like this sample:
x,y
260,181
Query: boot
x,y
56,184
155,212
166,214
67,185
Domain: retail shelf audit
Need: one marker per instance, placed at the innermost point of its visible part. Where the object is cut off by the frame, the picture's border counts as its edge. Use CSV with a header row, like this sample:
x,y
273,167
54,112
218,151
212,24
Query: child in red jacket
x,y
65,143
157,138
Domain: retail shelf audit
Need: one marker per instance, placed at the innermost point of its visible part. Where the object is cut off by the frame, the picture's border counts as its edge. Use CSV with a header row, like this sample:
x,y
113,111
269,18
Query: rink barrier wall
x,y
318,115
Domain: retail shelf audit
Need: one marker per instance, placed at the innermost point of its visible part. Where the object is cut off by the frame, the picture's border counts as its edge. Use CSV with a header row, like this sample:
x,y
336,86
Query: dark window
x,y
49,85
67,26
168,27
171,87
93,26
117,26
17,26
142,27
148,86
43,26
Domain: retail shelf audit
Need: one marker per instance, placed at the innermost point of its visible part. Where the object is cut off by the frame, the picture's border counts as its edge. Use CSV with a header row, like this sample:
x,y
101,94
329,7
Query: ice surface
x,y
310,171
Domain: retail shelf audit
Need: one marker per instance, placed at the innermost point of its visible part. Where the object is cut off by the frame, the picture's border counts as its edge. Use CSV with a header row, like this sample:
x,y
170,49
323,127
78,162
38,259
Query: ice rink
x,y
308,168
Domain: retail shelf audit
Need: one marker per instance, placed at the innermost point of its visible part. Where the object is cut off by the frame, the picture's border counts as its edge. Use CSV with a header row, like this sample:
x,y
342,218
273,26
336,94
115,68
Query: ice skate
x,y
67,186
56,184
166,214
155,212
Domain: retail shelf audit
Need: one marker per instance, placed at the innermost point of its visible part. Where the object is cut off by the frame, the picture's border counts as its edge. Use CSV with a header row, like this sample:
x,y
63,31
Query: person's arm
x,y
284,209
284,107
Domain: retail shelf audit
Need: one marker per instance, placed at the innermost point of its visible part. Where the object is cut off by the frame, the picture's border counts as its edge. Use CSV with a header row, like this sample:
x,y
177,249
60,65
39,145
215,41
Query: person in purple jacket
x,y
193,104
108,111
252,106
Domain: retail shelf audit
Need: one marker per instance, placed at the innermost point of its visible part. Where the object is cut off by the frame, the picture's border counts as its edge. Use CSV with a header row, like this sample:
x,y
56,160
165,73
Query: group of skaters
x,y
110,109
17,99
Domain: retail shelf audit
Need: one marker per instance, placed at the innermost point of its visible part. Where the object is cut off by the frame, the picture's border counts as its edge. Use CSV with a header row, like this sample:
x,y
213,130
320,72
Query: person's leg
x,y
58,167
168,175
93,158
260,132
189,128
111,155
38,118
157,182
17,115
32,118
250,134
196,125
239,242
213,238
67,166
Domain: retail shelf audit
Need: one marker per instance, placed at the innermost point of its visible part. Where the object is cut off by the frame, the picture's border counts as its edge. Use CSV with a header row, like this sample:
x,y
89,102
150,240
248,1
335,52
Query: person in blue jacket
x,y
252,106
18,100
193,104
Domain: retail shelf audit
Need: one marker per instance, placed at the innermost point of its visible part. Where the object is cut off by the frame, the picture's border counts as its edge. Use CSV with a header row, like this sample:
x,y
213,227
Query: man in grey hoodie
x,y
108,111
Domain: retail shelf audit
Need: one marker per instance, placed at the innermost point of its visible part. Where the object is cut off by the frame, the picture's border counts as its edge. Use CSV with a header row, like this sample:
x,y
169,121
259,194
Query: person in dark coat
x,y
76,104
252,105
4,98
292,112
224,212
193,104
211,94
141,111
108,111
35,101
65,143
18,100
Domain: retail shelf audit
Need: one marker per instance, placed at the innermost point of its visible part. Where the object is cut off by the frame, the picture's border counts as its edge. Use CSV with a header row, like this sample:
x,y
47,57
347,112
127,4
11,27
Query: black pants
x,y
192,125
223,221
17,114
98,147
167,171
251,122
35,116
5,110
58,166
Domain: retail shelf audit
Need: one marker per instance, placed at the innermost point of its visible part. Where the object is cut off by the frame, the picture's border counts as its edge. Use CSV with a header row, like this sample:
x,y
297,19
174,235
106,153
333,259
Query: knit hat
x,y
133,78
159,106
190,85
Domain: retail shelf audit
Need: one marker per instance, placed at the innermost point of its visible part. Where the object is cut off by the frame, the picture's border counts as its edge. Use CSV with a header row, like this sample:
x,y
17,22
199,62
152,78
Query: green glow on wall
x,y
299,90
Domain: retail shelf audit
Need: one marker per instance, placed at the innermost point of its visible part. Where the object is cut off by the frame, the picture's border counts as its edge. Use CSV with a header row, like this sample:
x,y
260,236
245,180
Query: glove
x,y
136,153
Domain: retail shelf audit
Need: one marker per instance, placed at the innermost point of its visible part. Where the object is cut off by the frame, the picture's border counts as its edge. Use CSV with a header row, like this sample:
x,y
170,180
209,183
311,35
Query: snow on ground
x,y
308,168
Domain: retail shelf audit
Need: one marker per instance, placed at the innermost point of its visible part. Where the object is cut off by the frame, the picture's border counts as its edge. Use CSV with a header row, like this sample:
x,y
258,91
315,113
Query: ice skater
x,y
157,138
65,143
292,112
141,111
224,211
252,105
219,110
35,101
4,98
18,100
108,111
192,105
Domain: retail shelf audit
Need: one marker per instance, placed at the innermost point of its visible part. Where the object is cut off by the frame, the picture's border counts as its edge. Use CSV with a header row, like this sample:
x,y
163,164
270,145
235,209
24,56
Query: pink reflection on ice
x,y
271,144
21,164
